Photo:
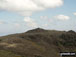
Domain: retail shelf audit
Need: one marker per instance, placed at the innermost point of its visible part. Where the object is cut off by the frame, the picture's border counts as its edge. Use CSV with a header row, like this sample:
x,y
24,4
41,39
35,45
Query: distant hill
x,y
38,43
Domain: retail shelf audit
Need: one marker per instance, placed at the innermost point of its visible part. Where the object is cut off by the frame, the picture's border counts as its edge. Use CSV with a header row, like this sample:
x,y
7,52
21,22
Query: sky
x,y
17,16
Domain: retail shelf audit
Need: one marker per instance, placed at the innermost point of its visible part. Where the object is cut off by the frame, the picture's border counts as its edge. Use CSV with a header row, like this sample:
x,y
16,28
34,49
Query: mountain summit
x,y
36,30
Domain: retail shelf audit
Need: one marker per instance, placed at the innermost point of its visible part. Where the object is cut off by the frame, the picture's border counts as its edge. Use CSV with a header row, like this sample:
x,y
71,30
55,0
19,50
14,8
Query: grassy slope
x,y
39,43
4,53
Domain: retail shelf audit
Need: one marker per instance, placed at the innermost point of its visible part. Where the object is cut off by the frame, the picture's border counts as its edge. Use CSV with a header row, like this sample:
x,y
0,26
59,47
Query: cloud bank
x,y
27,7
30,22
74,13
62,17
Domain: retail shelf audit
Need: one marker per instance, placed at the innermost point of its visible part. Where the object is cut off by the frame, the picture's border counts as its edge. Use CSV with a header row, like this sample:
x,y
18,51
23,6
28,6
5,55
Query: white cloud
x,y
30,22
49,3
74,13
62,17
27,7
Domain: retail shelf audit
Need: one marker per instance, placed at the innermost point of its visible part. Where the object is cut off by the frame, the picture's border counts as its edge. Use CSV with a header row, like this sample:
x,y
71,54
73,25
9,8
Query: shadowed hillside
x,y
38,43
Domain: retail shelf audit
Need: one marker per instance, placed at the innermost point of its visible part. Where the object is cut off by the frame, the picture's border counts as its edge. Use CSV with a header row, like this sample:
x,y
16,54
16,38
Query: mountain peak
x,y
71,31
37,30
